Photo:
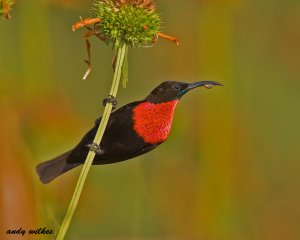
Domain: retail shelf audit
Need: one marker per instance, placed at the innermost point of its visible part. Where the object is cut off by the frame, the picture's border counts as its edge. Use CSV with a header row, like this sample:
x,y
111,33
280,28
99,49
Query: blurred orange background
x,y
230,168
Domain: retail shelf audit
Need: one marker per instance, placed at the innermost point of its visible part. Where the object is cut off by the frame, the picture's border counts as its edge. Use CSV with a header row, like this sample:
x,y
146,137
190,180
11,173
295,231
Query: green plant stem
x,y
90,157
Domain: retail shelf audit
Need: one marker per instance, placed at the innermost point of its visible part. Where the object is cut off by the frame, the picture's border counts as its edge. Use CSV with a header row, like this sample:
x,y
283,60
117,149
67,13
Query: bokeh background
x,y
230,168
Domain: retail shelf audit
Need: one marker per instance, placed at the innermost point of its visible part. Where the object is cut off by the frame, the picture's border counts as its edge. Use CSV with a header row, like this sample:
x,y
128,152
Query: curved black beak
x,y
206,84
188,86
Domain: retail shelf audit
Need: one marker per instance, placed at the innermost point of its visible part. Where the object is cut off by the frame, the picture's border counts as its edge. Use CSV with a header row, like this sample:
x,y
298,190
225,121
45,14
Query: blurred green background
x,y
230,168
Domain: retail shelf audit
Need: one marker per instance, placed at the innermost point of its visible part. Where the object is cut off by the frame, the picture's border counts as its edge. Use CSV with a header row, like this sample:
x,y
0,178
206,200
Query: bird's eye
x,y
177,87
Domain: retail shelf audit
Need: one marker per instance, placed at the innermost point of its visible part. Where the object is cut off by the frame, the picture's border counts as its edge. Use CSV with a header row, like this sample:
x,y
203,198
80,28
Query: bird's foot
x,y
95,148
110,99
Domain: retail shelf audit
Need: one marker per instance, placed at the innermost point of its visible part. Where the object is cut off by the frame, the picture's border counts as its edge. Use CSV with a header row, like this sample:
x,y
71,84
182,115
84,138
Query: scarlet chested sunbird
x,y
132,130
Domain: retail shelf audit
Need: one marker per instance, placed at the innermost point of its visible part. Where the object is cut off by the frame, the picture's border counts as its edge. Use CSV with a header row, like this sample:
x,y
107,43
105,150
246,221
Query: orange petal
x,y
170,38
85,22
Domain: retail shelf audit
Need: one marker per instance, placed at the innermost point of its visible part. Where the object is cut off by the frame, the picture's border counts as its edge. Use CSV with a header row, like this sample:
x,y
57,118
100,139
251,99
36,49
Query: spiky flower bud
x,y
132,22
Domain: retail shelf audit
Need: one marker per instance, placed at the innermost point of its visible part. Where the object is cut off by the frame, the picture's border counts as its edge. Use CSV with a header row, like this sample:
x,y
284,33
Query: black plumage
x,y
120,141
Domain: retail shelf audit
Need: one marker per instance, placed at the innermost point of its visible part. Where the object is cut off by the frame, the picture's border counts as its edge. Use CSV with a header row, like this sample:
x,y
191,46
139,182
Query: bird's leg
x,y
110,99
95,148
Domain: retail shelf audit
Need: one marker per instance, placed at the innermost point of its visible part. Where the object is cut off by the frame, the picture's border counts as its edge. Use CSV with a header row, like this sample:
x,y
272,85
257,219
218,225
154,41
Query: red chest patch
x,y
152,121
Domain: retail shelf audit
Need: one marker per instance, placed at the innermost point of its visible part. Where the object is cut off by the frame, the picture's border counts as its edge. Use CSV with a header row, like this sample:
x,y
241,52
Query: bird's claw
x,y
110,99
95,148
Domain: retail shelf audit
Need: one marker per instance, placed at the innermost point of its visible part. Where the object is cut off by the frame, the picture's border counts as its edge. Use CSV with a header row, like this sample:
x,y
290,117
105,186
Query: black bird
x,y
132,130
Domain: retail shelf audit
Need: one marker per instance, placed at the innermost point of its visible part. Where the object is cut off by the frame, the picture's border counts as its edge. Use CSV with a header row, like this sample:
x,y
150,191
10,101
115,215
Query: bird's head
x,y
173,90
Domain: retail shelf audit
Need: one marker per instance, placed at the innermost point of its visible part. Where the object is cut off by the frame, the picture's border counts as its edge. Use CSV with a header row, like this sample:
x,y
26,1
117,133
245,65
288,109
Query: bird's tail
x,y
53,168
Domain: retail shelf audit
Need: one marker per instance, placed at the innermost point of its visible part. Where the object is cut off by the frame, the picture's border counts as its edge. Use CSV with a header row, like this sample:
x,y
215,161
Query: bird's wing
x,y
119,136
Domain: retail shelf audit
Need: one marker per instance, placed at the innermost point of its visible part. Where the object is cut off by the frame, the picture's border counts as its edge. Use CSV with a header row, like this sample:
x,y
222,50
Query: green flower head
x,y
132,22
